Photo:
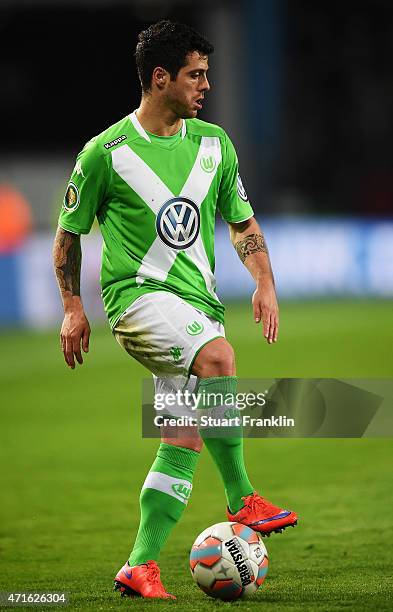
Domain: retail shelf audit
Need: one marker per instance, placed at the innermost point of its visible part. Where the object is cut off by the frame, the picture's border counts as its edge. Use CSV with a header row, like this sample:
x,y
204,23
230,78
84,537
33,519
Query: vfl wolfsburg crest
x,y
178,223
195,328
182,490
208,163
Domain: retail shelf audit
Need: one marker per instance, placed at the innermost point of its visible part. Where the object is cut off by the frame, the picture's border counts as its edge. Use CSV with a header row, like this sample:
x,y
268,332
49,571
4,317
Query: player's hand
x,y
75,332
265,307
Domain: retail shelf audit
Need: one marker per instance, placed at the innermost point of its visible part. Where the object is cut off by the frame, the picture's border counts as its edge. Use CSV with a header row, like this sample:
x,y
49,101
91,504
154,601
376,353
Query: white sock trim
x,y
176,487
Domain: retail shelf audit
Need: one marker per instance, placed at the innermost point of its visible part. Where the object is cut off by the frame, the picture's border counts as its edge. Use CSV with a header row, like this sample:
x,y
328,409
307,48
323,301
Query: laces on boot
x,y
255,503
153,573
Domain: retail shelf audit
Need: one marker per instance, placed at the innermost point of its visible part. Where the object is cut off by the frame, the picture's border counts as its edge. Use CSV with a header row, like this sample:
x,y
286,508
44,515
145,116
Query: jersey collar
x,y
142,132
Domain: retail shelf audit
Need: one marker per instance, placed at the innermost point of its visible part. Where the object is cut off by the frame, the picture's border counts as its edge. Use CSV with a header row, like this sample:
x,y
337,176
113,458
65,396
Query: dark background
x,y
317,118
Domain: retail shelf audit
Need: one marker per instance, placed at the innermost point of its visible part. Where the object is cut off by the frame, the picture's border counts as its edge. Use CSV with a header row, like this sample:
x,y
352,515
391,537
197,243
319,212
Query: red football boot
x,y
141,581
262,516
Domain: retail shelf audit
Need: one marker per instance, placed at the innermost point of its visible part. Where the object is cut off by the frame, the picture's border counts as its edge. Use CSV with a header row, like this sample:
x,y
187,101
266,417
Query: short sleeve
x,y
85,191
232,201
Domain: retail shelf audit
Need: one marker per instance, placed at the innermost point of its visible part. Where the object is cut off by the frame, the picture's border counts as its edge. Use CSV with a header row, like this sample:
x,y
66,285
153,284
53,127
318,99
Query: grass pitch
x,y
73,463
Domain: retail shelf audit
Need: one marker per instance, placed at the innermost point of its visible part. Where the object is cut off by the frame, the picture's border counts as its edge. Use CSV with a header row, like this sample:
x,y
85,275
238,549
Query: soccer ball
x,y
228,560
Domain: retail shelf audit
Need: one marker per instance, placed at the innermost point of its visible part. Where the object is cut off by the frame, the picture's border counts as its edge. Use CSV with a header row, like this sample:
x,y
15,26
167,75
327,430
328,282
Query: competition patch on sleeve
x,y
240,189
71,198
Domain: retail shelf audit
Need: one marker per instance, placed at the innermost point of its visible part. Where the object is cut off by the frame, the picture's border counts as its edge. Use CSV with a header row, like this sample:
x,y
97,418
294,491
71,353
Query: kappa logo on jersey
x,y
112,143
71,198
208,163
178,222
78,168
241,192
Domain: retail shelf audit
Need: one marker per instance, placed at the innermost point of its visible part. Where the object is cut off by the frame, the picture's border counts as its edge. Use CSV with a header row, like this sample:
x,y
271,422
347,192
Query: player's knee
x,y
217,358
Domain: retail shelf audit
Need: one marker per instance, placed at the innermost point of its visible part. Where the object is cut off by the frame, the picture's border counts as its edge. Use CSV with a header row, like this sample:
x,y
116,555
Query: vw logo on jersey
x,y
178,223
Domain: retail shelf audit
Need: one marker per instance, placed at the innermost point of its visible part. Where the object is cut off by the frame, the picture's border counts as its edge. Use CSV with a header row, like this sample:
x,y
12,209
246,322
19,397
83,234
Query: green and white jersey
x,y
155,199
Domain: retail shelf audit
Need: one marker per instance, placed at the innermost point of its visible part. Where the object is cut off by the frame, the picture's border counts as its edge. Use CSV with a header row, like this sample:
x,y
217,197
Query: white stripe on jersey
x,y
140,177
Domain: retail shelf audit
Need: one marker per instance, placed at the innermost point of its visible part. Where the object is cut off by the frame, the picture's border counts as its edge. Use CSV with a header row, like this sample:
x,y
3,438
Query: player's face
x,y
185,95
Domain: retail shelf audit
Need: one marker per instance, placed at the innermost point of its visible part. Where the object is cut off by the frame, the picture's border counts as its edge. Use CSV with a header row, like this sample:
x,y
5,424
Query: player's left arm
x,y
250,245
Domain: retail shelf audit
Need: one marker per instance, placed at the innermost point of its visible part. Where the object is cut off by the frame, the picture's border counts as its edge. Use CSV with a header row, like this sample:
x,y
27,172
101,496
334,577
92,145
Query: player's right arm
x,y
85,194
75,330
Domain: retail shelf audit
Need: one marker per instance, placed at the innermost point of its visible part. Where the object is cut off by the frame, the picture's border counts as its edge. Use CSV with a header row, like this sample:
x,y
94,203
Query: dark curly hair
x,y
167,44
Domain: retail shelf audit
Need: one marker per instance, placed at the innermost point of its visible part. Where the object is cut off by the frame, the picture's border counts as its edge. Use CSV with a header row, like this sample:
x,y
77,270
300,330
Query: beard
x,y
179,107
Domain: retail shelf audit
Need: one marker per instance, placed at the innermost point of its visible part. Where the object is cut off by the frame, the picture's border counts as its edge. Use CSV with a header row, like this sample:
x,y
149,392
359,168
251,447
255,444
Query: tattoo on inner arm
x,y
67,255
253,243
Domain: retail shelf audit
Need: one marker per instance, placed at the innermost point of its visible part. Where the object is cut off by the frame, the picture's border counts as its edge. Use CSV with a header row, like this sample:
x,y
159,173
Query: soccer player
x,y
155,180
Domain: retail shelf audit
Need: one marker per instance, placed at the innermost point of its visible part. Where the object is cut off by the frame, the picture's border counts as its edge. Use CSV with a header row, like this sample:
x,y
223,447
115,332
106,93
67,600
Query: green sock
x,y
226,449
163,498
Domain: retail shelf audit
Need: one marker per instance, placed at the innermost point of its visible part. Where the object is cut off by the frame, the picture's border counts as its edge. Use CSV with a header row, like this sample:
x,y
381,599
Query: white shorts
x,y
165,333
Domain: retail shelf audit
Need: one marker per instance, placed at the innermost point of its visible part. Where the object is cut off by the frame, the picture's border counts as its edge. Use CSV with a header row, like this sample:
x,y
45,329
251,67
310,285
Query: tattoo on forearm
x,y
253,243
67,256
